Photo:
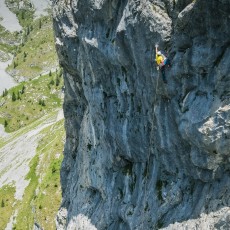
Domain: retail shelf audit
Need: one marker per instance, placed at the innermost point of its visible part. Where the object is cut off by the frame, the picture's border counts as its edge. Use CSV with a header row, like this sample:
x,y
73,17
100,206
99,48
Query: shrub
x,y
24,54
52,82
15,64
2,204
53,169
40,24
41,102
57,81
14,97
5,123
23,89
5,92
18,97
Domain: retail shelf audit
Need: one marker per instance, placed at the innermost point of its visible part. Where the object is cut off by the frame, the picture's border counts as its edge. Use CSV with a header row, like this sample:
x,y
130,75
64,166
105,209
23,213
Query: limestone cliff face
x,y
141,154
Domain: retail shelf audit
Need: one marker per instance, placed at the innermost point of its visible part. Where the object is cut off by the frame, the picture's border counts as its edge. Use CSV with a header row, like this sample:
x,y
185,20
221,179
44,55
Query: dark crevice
x,y
223,50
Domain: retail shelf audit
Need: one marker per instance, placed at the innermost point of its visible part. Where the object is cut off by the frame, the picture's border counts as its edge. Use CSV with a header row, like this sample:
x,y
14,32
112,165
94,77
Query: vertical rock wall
x,y
141,154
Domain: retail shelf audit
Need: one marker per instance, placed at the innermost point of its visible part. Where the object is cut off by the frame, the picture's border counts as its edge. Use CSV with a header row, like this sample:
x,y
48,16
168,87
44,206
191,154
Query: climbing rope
x,y
151,138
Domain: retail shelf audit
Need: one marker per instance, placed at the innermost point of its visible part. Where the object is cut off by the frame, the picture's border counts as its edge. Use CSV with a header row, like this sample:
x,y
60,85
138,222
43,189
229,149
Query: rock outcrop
x,y
141,154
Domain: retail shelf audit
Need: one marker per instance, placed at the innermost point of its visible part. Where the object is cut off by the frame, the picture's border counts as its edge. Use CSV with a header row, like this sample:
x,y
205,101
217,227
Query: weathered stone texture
x,y
140,154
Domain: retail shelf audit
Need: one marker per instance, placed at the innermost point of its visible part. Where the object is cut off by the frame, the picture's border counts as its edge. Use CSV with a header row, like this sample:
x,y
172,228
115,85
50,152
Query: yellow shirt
x,y
159,59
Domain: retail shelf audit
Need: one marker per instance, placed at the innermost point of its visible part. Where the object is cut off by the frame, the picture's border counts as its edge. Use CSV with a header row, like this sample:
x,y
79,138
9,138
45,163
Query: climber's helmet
x,y
158,52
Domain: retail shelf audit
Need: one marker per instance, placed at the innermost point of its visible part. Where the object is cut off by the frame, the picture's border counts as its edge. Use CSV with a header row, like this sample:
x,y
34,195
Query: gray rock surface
x,y
140,154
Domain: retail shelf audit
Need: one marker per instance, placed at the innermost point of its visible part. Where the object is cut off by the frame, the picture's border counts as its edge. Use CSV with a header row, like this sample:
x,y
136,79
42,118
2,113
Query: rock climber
x,y
162,62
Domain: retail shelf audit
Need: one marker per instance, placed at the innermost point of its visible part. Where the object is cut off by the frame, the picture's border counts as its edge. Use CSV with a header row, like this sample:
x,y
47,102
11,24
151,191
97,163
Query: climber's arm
x,y
156,48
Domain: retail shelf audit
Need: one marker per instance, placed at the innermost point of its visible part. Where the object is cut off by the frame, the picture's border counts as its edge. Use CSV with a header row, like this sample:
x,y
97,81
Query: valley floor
x,y
17,149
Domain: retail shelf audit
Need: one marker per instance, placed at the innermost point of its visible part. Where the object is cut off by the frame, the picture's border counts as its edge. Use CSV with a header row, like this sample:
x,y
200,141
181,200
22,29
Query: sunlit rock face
x,y
141,154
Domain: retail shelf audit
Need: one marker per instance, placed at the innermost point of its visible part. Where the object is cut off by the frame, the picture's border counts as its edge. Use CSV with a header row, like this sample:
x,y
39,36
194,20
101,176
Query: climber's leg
x,y
163,74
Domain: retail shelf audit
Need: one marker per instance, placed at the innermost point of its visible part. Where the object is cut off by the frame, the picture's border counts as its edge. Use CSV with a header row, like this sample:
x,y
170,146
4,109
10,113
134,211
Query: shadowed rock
x,y
140,154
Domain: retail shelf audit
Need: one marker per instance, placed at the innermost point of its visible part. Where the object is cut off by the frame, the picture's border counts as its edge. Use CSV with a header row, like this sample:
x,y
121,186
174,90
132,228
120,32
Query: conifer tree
x,y
14,97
